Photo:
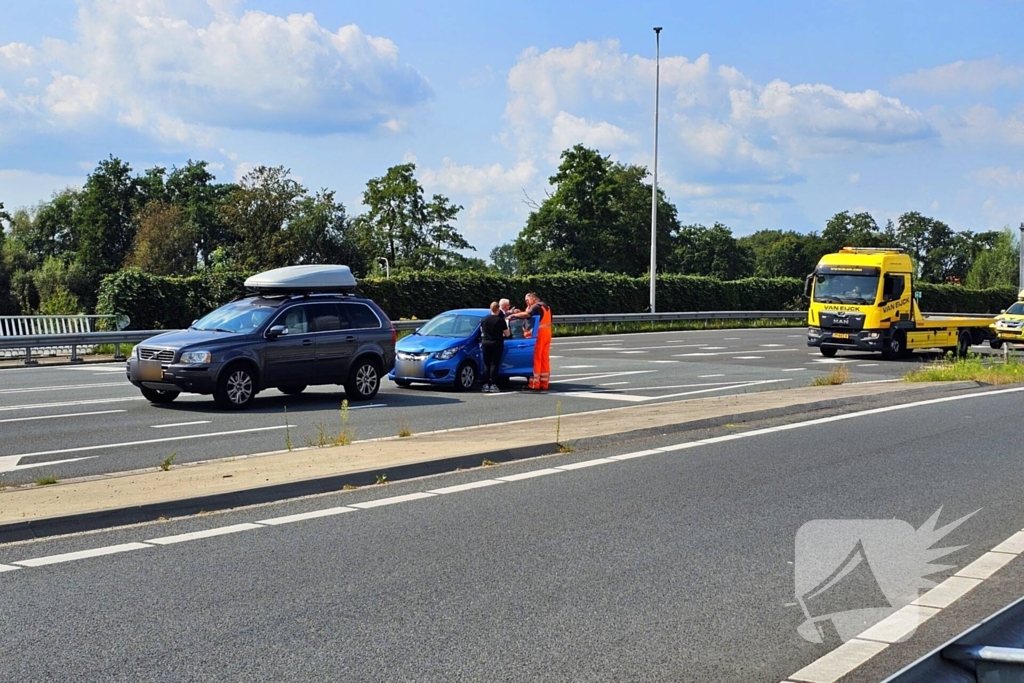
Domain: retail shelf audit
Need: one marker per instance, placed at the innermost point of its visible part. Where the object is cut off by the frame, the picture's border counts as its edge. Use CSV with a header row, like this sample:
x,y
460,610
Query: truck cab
x,y
863,299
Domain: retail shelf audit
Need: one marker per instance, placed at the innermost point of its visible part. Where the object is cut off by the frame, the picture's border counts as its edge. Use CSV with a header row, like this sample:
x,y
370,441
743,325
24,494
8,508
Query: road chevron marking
x,y
830,667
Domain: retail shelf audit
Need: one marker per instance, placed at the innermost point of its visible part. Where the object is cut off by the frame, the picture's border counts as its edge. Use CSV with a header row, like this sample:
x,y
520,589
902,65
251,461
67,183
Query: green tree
x,y
998,265
193,189
503,259
711,251
597,219
780,253
165,242
853,230
321,232
927,240
256,213
53,285
401,225
104,222
8,305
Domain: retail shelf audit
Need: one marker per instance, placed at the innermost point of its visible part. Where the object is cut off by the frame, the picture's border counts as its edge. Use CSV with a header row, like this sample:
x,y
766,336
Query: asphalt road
x,y
673,566
71,421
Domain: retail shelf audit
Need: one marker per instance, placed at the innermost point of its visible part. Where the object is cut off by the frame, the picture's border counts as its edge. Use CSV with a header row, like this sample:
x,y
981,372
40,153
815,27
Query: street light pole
x,y
387,267
654,175
1020,281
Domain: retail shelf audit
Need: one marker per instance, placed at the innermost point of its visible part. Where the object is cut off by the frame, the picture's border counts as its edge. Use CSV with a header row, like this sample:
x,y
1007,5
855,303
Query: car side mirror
x,y
1002,311
807,285
277,331
194,322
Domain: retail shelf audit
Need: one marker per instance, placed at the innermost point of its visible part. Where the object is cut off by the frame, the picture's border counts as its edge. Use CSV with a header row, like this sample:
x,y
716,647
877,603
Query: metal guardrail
x,y
28,325
646,317
73,341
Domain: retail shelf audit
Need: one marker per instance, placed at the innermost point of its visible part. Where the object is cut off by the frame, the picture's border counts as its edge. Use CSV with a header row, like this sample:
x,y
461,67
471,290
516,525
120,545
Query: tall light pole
x,y
387,267
654,184
1020,281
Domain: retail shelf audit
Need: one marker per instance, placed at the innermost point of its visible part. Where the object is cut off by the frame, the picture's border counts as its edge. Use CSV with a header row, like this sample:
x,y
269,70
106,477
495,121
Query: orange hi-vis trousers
x,y
542,352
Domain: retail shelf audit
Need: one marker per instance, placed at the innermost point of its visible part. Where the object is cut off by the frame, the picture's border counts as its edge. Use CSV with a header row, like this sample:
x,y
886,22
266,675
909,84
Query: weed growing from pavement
x,y
165,465
973,368
562,447
349,487
46,481
403,429
839,374
488,463
382,478
344,437
321,440
287,431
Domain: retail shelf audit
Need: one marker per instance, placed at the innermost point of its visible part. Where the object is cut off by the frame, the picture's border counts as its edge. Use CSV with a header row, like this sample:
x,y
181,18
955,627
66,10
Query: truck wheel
x,y
827,351
963,344
996,343
158,395
896,347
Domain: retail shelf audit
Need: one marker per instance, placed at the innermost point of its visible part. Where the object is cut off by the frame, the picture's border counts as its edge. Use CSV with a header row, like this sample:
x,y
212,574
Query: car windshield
x,y
238,316
1016,309
845,289
455,325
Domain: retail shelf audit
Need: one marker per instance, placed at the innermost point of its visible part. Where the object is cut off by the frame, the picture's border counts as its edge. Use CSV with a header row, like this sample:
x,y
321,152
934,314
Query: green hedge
x,y
155,302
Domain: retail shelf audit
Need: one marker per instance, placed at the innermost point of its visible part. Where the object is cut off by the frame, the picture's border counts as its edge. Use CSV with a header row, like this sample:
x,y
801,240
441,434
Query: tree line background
x,y
182,222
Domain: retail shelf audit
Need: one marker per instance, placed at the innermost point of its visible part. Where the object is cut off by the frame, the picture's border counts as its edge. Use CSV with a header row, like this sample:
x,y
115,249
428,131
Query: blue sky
x,y
773,115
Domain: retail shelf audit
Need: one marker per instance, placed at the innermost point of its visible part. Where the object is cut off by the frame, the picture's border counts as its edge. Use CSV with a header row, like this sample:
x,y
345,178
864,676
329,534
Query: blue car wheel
x,y
465,376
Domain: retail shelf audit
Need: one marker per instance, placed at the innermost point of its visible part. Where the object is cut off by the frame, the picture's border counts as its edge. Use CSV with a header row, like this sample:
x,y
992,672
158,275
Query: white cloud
x,y
980,125
982,75
177,69
718,120
854,178
999,176
18,55
479,180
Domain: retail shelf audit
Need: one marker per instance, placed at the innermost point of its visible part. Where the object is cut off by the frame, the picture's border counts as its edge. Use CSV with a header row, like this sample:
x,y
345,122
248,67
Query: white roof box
x,y
303,279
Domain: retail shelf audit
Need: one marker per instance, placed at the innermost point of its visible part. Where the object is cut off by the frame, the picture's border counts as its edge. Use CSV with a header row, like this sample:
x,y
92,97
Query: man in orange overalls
x,y
539,314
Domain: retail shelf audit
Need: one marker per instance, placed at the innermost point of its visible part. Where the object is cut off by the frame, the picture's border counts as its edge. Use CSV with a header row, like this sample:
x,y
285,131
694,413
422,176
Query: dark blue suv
x,y
285,341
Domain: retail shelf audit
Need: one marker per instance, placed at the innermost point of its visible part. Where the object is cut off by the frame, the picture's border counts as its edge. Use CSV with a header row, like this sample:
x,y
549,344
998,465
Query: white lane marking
x,y
302,516
577,367
828,361
612,384
748,357
632,398
867,365
899,625
839,661
729,353
732,338
65,404
7,568
632,352
182,424
696,353
640,348
585,463
588,340
795,336
636,454
793,369
713,348
608,397
554,356
709,376
986,565
380,502
9,463
947,592
769,346
206,533
603,375
1014,544
662,361
53,417
83,554
529,475
68,387
465,487
79,449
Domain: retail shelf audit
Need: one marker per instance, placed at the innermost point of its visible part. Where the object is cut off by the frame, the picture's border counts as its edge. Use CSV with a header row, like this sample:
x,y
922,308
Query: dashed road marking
x,y
182,424
83,554
66,415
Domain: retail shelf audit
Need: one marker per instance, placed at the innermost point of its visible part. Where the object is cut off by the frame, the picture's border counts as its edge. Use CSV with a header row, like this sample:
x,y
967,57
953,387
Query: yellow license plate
x,y
840,335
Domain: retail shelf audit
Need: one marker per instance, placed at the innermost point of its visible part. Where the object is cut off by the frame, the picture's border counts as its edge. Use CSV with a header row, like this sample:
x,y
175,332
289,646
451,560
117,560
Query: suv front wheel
x,y
363,380
236,388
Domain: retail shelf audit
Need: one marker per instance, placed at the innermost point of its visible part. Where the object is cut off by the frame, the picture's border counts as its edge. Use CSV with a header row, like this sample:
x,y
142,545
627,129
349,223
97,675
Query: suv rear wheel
x,y
363,380
236,388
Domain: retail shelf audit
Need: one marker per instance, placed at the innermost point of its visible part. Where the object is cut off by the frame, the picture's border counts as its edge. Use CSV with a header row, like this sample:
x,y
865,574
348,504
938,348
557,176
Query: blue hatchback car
x,y
446,350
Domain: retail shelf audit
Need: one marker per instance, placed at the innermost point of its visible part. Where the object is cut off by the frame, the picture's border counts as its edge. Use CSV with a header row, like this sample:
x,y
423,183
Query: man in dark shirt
x,y
493,330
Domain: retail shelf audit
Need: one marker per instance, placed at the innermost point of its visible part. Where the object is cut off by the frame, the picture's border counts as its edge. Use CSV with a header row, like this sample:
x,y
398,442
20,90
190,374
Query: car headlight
x,y
195,357
447,354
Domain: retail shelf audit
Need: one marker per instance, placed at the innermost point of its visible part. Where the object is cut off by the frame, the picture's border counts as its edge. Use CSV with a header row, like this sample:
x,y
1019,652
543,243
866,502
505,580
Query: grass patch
x,y
349,487
970,369
382,479
46,481
165,465
287,431
839,375
108,349
488,463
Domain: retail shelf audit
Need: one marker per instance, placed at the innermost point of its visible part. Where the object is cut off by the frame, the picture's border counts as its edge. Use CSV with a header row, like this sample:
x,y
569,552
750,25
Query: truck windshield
x,y
238,316
834,288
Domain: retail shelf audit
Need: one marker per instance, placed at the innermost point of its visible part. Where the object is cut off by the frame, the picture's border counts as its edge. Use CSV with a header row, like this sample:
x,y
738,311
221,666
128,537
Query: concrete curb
x,y
135,514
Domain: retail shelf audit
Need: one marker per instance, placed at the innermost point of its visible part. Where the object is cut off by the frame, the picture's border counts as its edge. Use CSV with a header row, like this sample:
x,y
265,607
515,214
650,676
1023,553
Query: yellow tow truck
x,y
1009,324
863,299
